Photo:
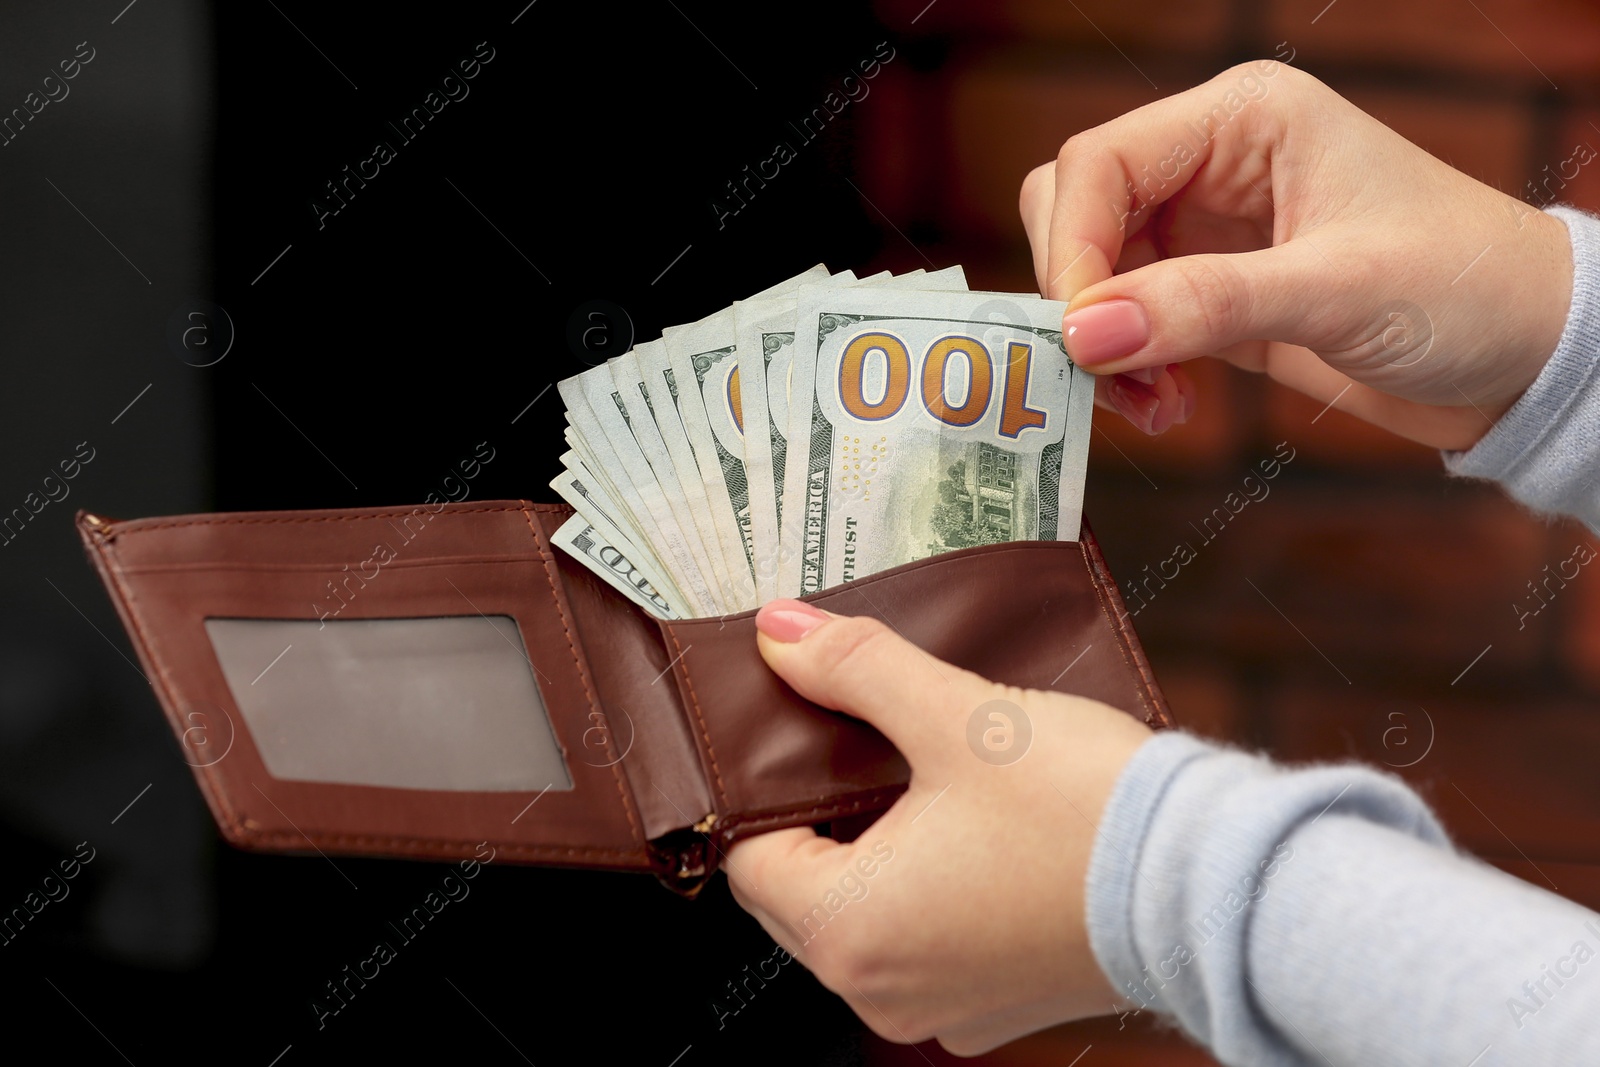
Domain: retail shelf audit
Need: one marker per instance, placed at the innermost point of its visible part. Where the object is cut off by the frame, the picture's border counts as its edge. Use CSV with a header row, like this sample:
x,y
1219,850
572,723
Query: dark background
x,y
367,355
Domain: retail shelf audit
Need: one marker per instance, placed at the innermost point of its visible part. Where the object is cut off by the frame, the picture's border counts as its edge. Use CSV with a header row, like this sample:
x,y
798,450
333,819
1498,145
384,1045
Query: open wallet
x,y
412,682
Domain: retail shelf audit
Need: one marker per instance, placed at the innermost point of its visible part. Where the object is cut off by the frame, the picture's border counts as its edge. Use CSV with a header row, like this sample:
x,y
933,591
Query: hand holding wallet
x,y
411,682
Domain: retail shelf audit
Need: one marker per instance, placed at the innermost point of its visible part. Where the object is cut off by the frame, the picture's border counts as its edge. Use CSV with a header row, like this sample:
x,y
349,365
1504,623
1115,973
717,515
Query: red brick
x,y
1004,119
1529,41
1575,881
1579,139
1385,576
1490,140
1577,605
1204,698
1329,582
1105,24
1505,771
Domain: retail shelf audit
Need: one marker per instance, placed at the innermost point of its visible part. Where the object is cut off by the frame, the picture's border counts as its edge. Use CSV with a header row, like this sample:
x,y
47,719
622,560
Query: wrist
x,y
1541,301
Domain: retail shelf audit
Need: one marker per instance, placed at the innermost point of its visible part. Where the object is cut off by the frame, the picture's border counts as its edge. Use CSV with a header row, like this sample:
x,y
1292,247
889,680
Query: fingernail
x,y
1137,407
1188,407
1147,375
788,620
1102,332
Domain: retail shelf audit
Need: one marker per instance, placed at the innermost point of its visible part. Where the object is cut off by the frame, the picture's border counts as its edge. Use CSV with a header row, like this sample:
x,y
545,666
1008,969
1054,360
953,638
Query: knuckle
x,y
1216,291
1075,148
881,1026
847,963
1295,78
1036,186
1237,71
756,867
962,1047
861,970
821,958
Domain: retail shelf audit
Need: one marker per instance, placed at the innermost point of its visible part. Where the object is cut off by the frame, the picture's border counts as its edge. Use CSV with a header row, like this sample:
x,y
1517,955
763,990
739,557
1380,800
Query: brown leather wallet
x,y
412,682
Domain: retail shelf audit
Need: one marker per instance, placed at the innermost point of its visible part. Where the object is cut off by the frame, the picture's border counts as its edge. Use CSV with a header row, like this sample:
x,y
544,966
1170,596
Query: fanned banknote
x,y
765,331
921,423
820,431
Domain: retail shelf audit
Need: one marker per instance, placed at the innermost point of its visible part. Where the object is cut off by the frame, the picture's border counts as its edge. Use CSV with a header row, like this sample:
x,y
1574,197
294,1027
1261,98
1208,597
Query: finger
x,y
1036,204
860,666
1107,178
1189,306
1150,398
780,873
1188,394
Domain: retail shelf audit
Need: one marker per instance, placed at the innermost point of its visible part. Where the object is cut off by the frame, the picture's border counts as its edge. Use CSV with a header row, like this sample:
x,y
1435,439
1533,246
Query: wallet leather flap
x,y
376,680
1035,614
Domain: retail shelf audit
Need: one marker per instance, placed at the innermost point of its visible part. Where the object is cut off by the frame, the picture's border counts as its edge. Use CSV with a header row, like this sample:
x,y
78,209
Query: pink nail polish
x,y
788,620
1103,332
1137,407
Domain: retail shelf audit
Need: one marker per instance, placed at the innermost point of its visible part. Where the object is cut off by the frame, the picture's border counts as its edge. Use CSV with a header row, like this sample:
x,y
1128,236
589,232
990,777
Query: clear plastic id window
x,y
447,703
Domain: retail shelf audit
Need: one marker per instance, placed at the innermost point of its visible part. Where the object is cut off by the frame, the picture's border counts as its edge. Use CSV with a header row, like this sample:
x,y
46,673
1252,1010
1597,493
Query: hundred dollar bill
x,y
699,374
584,543
592,504
630,472
612,501
593,467
633,433
765,330
922,423
597,498
582,460
631,417
639,373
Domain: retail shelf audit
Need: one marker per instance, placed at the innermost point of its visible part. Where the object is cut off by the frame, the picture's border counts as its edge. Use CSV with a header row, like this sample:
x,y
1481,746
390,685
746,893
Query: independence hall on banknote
x,y
991,481
979,503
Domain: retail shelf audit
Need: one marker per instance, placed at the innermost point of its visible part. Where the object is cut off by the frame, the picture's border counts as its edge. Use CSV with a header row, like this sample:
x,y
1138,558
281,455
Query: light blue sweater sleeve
x,y
1545,451
1321,916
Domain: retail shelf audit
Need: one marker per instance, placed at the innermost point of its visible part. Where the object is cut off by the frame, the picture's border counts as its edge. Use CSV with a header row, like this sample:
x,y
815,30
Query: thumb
x,y
1187,306
858,665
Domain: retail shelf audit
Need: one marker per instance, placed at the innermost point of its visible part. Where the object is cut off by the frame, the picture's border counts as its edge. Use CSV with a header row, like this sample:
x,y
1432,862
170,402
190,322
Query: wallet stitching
x,y
871,799
420,844
142,528
700,720
202,566
1120,627
169,693
583,678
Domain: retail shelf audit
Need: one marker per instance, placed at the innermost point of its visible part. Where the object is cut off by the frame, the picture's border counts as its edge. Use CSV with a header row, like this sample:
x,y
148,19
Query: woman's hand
x,y
960,913
1263,219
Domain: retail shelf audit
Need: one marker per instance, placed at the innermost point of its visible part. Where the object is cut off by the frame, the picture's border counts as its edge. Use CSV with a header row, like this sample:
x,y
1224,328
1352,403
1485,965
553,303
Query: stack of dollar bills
x,y
825,429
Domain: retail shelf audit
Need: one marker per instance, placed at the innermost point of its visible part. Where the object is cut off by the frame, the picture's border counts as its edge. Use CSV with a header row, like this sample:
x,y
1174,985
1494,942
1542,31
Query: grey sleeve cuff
x,y
1191,839
1545,451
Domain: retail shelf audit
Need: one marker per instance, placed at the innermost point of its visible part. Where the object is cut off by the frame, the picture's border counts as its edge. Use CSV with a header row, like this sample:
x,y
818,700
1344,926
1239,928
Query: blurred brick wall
x,y
1366,608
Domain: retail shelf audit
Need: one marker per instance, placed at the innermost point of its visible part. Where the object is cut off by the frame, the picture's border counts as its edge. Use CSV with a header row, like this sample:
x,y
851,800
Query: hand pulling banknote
x,y
820,431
